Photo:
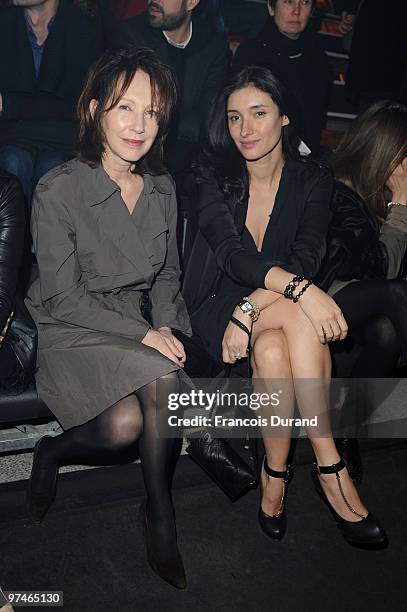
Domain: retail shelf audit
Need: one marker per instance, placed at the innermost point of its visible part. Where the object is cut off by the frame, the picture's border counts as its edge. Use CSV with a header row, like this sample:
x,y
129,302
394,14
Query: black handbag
x,y
22,339
222,459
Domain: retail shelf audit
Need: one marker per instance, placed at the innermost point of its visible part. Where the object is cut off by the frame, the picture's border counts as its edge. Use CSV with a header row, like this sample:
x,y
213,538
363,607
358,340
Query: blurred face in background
x,y
291,16
168,14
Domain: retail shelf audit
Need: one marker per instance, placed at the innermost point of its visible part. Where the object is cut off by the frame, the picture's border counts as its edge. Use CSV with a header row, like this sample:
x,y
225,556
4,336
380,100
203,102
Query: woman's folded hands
x,y
166,343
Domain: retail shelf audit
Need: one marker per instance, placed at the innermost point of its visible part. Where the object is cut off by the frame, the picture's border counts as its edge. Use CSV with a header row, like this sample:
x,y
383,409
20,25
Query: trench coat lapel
x,y
115,221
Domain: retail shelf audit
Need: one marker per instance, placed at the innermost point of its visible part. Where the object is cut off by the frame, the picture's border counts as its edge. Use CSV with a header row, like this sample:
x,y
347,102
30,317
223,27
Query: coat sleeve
x,y
64,292
168,306
309,246
393,236
217,224
11,245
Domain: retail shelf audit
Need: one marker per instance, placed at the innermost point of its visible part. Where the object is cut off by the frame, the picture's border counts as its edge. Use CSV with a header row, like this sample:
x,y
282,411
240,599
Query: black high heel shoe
x,y
367,531
172,570
275,526
39,502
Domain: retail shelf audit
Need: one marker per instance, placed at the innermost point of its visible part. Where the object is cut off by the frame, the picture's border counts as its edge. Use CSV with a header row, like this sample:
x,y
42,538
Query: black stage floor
x,y
91,547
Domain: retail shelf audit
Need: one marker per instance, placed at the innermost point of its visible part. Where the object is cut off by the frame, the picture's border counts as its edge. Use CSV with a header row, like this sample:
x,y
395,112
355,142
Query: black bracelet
x,y
292,285
303,290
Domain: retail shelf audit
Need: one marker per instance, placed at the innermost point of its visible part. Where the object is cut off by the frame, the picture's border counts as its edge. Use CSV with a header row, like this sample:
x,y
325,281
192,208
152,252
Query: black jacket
x,y
354,250
205,70
306,76
299,245
11,241
38,113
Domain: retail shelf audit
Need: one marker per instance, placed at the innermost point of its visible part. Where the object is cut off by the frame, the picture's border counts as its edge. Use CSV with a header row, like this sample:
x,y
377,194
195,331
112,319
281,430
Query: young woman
x,y
264,216
104,234
367,240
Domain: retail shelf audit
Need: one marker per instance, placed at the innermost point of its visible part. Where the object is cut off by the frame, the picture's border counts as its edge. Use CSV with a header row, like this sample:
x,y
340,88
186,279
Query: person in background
x,y
289,47
47,47
365,262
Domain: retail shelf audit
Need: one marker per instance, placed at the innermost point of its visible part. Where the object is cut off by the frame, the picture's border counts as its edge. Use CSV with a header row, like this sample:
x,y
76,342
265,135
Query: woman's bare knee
x,y
270,347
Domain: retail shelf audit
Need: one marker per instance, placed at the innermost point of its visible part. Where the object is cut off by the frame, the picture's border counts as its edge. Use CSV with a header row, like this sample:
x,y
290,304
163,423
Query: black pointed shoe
x,y
171,570
366,532
275,526
39,501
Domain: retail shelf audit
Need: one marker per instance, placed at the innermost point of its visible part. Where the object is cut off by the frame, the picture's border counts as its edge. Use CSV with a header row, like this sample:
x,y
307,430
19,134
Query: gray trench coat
x,y
95,259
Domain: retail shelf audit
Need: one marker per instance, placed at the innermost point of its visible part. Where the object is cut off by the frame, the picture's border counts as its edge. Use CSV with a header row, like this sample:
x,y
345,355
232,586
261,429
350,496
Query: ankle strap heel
x,y
275,526
286,474
335,469
366,532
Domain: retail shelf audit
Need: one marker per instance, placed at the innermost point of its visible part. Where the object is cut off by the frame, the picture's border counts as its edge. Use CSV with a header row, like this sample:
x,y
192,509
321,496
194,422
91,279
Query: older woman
x,y
104,235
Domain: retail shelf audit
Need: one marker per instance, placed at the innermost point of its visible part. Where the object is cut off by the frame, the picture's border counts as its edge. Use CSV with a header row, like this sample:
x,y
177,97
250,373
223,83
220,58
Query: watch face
x,y
246,307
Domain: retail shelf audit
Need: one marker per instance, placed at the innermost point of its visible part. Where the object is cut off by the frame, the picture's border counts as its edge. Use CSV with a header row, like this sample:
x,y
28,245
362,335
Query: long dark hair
x,y
107,82
371,150
221,157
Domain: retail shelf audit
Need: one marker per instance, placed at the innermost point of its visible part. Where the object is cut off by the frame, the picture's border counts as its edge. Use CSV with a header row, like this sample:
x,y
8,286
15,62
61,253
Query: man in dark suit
x,y
46,48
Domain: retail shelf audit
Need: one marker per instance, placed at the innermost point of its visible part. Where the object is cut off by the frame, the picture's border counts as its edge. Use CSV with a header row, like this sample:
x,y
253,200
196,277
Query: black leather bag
x,y
22,339
232,464
224,464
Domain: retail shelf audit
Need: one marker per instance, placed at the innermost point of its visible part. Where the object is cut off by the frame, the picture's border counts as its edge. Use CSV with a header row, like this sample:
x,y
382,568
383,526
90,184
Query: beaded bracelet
x,y
303,290
292,285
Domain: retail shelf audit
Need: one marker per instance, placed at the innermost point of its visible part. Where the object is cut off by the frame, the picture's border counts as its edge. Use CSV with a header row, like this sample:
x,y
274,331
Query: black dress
x,y
294,237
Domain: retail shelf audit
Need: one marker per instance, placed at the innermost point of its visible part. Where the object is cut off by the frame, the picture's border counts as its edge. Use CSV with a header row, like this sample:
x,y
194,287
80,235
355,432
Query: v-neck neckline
x,y
272,216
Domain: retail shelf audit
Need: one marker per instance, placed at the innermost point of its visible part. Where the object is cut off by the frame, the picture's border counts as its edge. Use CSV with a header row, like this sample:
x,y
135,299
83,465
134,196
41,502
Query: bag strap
x,y
241,325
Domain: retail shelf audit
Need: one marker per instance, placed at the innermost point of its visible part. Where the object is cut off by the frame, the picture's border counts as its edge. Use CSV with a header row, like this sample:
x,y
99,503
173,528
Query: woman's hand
x,y
163,341
325,315
235,341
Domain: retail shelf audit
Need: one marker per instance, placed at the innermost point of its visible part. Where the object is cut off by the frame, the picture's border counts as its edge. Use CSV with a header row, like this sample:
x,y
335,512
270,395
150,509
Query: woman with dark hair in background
x,y
264,216
367,240
104,235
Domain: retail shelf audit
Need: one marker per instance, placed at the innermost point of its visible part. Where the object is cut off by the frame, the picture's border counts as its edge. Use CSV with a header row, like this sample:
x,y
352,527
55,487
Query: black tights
x,y
376,312
136,417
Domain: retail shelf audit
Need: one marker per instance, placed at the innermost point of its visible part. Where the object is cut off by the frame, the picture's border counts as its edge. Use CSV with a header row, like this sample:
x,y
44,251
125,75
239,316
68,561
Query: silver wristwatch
x,y
247,306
